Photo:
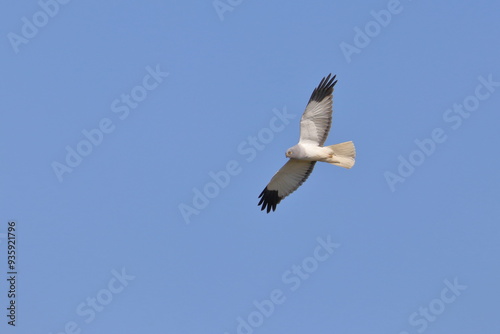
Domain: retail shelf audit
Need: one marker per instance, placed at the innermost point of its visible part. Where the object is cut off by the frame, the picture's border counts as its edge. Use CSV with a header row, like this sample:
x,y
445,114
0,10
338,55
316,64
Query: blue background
x,y
119,209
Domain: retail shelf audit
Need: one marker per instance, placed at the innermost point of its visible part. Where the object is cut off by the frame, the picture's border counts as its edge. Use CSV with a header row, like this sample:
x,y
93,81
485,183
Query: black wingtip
x,y
269,199
324,88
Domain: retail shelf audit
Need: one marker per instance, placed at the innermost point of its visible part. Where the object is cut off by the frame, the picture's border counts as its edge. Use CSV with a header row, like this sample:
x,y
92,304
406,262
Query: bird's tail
x,y
344,154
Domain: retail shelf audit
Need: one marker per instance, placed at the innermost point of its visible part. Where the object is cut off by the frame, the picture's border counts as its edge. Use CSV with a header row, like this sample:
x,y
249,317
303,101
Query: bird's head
x,y
290,153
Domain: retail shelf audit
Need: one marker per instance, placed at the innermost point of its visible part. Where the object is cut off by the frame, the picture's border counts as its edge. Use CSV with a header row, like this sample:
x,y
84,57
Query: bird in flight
x,y
314,127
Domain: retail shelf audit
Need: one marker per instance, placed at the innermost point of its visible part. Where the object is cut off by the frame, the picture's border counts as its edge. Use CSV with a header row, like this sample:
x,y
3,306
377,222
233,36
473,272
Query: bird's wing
x,y
285,182
317,118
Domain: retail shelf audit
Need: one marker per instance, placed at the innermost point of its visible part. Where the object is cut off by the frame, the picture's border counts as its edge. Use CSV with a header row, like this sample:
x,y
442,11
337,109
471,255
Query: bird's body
x,y
309,152
314,127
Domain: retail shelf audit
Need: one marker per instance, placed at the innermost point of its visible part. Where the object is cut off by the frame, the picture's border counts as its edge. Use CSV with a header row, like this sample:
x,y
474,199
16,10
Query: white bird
x,y
314,127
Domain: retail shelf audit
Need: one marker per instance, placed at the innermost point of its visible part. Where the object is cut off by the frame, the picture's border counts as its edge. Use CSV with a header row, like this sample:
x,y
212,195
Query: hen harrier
x,y
314,127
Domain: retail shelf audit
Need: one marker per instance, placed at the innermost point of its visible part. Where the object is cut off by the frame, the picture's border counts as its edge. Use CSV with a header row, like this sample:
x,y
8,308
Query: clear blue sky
x,y
117,115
